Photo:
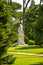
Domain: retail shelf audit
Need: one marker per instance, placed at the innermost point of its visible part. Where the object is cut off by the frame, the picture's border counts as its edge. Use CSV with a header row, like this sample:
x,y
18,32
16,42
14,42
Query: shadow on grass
x,y
11,61
41,53
8,60
41,63
29,47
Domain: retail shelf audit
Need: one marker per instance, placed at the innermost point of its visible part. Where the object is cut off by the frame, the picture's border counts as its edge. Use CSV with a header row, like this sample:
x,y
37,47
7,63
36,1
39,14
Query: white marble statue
x,y
21,34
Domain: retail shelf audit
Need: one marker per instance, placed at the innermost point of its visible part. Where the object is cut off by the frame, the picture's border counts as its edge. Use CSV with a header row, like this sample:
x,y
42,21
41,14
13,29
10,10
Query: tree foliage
x,y
15,5
32,3
34,24
39,27
4,27
5,34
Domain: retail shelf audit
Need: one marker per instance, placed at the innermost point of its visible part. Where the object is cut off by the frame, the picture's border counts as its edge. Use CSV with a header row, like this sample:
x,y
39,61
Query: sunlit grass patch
x,y
28,49
27,60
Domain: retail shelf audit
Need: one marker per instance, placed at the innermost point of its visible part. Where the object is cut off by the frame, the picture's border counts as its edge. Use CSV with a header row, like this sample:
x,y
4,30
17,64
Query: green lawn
x,y
27,49
27,60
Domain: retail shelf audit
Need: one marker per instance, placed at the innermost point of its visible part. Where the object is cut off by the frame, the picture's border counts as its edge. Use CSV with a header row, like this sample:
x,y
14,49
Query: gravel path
x,y
29,54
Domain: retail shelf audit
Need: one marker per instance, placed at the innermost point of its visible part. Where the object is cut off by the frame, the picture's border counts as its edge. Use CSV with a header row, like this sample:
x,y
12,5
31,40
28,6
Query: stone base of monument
x,y
16,44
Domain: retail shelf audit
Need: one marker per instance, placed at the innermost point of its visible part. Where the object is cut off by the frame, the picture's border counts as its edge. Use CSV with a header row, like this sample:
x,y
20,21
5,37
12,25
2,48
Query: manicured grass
x,y
27,60
30,49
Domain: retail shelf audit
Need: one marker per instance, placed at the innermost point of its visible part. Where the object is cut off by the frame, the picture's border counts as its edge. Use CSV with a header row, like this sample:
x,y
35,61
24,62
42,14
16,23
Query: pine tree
x,y
4,28
5,18
32,3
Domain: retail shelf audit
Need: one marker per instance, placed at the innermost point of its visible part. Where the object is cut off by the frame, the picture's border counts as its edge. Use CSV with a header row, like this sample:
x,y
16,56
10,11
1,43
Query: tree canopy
x,y
5,34
34,24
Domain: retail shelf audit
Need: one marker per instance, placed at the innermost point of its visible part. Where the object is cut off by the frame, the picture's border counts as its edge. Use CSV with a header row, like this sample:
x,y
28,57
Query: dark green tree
x,y
5,18
30,20
39,27
34,24
32,3
4,28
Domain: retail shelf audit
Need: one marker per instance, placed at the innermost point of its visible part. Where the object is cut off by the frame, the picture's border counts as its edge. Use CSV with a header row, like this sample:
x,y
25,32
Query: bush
x,y
31,42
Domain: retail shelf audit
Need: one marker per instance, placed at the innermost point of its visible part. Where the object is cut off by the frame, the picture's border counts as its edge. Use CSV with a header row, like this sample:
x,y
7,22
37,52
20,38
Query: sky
x,y
21,2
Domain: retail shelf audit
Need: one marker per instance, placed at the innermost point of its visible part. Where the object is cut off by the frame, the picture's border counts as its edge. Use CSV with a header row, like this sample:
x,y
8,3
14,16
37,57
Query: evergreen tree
x,y
5,17
32,3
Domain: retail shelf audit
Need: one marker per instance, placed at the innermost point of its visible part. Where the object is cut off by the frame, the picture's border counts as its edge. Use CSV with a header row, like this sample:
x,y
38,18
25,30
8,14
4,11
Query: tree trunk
x,y
10,2
40,2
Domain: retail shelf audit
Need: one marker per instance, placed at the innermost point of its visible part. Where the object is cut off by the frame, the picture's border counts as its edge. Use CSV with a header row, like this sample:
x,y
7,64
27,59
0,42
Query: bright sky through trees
x,y
21,1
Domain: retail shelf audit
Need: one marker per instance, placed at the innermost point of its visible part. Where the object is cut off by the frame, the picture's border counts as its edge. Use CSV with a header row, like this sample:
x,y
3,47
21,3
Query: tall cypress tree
x,y
32,3
5,17
4,28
